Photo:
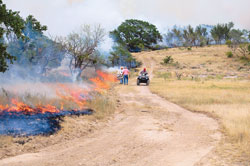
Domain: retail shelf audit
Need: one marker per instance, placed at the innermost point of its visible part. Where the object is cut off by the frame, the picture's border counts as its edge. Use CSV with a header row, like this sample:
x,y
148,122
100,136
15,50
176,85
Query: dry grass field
x,y
210,83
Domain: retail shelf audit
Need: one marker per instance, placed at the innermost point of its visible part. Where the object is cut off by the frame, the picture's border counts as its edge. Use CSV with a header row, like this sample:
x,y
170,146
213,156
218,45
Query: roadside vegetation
x,y
205,80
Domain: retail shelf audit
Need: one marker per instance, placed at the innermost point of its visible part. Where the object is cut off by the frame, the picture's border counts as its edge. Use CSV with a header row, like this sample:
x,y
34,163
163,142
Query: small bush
x,y
168,60
229,43
157,47
229,54
141,47
138,63
189,48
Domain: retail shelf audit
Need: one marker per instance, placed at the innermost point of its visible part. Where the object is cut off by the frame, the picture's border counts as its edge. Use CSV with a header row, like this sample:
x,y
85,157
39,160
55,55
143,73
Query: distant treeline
x,y
202,35
236,39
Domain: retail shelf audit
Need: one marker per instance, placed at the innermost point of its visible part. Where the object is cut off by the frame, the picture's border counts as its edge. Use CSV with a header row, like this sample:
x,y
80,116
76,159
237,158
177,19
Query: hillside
x,y
211,83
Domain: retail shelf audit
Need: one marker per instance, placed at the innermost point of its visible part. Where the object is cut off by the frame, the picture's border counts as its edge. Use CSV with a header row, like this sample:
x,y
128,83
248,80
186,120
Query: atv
x,y
143,78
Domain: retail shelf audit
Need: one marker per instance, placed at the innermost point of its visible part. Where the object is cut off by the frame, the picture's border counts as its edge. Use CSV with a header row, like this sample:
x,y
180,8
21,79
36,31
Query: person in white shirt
x,y
120,74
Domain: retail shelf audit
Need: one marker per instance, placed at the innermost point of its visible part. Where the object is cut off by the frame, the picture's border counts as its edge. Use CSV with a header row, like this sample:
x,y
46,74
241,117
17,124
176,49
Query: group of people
x,y
123,75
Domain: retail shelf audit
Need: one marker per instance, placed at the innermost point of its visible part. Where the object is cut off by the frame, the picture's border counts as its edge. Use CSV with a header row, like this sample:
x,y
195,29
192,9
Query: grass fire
x,y
21,119
124,82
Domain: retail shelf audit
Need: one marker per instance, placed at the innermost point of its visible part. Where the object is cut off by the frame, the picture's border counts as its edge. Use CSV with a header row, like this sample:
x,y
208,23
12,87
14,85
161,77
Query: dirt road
x,y
148,131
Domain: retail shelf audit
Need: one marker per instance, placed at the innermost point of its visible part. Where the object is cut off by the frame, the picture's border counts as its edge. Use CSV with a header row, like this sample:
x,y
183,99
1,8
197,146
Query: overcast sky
x,y
63,16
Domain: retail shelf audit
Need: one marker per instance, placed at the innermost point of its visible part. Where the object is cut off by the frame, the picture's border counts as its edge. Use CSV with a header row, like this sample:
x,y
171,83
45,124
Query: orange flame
x,y
99,84
21,107
106,76
67,92
64,74
73,95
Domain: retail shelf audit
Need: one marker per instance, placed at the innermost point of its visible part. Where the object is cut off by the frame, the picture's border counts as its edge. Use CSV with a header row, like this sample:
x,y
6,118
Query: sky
x,y
65,16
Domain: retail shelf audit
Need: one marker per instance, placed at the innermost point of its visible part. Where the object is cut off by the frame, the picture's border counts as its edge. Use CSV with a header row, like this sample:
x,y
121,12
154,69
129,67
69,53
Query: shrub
x,y
229,43
157,47
138,63
229,54
141,46
166,47
168,60
189,48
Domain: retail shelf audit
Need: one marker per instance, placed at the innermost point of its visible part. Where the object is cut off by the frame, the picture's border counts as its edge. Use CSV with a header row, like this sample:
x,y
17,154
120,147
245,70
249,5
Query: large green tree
x,y
10,22
135,34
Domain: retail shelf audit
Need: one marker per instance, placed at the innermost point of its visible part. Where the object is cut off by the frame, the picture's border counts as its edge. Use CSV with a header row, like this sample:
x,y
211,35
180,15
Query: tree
x,y
201,35
121,56
221,32
31,22
236,35
36,51
82,47
134,33
189,36
10,22
217,33
174,37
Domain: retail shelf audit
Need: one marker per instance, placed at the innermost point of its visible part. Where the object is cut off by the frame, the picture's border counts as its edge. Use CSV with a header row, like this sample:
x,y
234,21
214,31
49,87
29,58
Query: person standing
x,y
120,75
125,76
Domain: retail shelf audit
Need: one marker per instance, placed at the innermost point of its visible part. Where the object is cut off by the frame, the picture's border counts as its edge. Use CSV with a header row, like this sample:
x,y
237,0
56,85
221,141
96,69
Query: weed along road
x,y
145,130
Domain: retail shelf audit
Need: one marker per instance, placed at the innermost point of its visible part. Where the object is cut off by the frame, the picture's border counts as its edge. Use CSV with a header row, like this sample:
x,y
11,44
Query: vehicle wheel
x,y
138,82
147,82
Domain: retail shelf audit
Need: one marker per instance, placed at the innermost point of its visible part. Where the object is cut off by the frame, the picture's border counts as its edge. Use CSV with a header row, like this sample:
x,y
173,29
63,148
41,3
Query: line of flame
x,y
66,92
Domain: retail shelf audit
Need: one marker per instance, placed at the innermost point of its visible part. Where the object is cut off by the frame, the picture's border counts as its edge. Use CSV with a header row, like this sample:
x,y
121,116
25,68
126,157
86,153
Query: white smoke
x,y
63,16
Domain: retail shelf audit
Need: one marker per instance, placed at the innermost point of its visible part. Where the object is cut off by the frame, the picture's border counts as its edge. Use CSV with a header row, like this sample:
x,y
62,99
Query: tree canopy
x,y
221,32
36,52
120,56
10,22
23,40
136,34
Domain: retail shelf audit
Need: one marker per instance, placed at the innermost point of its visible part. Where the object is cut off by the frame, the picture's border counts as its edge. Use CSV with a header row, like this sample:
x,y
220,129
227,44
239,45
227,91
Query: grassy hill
x,y
206,80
